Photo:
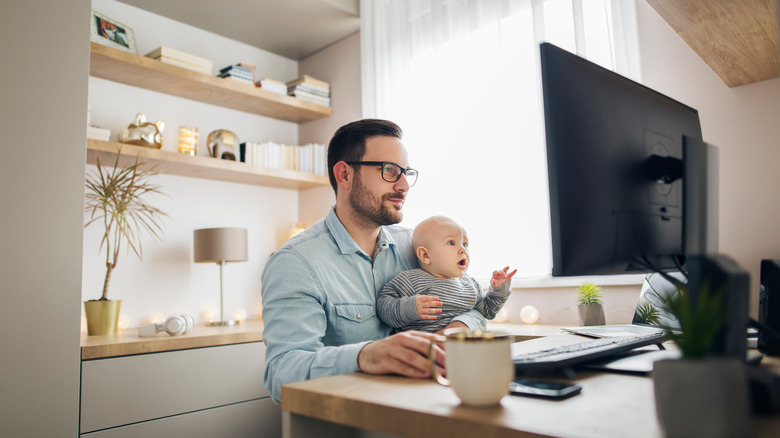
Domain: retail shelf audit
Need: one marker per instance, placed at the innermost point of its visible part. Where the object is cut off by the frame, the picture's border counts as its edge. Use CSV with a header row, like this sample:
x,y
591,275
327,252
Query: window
x,y
462,80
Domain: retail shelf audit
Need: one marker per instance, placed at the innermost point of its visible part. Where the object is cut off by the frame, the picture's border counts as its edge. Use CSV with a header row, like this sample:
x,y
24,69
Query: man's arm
x,y
294,323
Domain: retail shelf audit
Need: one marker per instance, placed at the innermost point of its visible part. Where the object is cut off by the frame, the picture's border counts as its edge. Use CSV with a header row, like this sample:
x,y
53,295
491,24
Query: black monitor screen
x,y
609,208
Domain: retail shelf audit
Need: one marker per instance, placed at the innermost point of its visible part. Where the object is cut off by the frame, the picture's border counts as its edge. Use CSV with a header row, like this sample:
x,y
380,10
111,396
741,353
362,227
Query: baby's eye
x,y
465,244
451,242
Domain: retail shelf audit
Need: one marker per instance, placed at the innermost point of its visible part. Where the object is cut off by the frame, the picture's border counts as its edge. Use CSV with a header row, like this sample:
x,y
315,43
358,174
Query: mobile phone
x,y
538,388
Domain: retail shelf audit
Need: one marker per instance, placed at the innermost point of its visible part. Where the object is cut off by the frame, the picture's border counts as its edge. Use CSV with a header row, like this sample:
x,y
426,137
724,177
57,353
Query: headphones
x,y
174,325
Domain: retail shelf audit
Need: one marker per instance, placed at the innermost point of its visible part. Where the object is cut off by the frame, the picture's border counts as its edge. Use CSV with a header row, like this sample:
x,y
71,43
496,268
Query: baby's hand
x,y
501,277
427,306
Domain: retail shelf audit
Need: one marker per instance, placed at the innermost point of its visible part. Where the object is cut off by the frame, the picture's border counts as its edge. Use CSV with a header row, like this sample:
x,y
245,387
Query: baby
x,y
428,298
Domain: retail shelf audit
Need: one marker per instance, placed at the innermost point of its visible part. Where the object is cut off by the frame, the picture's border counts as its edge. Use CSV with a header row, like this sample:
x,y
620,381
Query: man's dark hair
x,y
349,142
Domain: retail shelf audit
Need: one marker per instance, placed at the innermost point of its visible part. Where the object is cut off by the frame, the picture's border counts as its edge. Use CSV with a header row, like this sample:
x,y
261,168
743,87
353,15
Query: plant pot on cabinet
x,y
102,316
591,314
702,397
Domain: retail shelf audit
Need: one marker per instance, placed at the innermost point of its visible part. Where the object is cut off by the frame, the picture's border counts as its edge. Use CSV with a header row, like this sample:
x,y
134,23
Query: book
x,y
236,74
272,86
310,81
303,95
172,53
98,133
310,90
236,67
184,64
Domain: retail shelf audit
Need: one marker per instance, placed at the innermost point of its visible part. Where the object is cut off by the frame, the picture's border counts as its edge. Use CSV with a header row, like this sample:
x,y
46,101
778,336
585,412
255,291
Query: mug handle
x,y
441,380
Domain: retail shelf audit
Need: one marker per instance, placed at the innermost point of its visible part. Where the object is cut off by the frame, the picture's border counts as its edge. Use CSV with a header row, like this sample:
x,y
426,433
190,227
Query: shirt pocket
x,y
356,323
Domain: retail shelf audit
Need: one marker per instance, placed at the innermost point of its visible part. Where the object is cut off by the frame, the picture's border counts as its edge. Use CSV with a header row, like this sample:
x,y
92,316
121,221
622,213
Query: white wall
x,y
743,123
43,111
338,64
167,281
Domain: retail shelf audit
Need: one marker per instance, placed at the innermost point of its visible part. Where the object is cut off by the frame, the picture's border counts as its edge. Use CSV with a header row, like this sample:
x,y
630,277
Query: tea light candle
x,y
529,315
188,140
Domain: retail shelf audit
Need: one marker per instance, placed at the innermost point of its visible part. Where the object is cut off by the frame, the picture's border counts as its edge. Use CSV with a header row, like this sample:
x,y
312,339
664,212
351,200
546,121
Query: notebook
x,y
649,315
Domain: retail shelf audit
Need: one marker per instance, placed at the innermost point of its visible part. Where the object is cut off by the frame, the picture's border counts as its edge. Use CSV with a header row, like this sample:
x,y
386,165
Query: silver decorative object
x,y
224,144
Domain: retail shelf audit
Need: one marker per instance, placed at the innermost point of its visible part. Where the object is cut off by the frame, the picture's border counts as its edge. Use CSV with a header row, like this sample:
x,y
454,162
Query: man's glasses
x,y
391,172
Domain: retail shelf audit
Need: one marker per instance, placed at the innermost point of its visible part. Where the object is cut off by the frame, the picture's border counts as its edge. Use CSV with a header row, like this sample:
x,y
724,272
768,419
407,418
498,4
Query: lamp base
x,y
222,323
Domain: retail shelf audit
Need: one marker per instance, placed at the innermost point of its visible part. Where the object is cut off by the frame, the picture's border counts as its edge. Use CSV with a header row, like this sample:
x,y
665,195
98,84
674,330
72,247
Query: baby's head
x,y
441,246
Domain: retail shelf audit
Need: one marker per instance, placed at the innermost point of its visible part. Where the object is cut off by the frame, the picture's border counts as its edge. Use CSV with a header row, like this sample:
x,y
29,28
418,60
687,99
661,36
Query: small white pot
x,y
591,314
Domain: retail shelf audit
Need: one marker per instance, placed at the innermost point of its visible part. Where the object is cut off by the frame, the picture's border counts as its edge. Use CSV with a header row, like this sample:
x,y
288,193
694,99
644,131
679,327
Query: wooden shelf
x,y
174,163
127,342
140,71
738,40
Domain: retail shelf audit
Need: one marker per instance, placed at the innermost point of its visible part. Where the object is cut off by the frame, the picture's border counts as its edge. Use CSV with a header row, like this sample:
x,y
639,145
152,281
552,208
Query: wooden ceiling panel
x,y
737,39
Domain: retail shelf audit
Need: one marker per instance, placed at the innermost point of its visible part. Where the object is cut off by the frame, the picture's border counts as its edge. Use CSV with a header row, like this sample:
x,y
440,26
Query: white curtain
x,y
461,78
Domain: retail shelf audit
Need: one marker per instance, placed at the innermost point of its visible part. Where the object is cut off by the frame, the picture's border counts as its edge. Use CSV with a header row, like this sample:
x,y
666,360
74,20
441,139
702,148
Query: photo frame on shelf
x,y
109,32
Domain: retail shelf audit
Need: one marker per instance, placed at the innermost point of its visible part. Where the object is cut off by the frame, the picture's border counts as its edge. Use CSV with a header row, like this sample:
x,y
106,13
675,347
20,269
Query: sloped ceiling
x,y
294,29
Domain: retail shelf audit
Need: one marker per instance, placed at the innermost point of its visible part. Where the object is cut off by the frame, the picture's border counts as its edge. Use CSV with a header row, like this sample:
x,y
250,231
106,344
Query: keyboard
x,y
567,356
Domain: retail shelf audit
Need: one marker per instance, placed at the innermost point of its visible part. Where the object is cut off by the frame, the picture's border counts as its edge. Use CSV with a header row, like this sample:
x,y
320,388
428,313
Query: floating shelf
x,y
174,163
140,71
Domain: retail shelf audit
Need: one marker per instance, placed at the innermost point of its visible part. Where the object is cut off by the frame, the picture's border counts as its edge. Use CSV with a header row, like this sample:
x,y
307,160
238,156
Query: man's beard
x,y
373,209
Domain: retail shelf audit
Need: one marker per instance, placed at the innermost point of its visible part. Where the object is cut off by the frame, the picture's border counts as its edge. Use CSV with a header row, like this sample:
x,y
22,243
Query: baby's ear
x,y
422,255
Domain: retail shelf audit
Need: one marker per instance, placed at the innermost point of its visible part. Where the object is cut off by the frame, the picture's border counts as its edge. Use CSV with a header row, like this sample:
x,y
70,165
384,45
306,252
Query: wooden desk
x,y
611,405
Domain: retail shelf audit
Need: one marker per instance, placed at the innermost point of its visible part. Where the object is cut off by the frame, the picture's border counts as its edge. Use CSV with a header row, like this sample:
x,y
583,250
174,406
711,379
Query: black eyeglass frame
x,y
382,165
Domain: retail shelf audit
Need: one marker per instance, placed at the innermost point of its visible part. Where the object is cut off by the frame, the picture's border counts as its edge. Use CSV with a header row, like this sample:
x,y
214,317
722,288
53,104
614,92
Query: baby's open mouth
x,y
462,262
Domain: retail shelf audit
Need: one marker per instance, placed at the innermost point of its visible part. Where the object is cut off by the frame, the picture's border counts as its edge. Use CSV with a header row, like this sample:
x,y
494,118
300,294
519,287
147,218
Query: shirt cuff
x,y
348,358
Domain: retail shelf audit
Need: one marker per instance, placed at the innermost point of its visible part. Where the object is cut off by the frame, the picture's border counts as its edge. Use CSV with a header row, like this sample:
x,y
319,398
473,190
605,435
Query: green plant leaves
x,y
115,198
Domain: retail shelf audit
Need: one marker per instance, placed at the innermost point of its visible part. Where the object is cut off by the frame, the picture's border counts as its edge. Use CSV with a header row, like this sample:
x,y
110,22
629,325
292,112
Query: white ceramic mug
x,y
478,364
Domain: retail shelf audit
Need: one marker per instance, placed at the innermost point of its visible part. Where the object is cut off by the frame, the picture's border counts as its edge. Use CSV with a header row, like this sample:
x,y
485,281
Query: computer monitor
x,y
615,154
633,187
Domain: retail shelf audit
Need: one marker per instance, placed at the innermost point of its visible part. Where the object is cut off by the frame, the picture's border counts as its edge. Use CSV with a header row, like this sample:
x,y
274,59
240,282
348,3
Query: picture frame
x,y
109,32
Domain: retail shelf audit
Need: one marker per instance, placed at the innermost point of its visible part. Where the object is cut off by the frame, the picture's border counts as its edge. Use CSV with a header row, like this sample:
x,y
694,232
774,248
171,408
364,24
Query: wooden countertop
x,y
127,342
611,404
421,408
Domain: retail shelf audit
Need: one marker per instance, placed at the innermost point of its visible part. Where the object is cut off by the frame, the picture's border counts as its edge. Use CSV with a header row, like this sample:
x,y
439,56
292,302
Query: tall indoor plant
x,y
115,200
701,394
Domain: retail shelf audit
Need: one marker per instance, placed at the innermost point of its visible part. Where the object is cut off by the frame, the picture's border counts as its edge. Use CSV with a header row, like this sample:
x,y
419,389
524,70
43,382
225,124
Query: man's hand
x,y
427,306
404,353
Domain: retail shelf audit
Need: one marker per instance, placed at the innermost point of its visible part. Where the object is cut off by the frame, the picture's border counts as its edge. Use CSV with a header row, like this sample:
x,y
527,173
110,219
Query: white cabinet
x,y
201,392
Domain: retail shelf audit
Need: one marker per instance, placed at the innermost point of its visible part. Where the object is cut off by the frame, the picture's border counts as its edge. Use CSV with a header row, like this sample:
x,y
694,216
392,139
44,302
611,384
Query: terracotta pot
x,y
702,397
102,316
591,314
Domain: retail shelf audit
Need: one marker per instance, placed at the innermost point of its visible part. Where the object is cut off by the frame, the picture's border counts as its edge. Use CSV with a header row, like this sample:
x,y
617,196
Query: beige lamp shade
x,y
215,245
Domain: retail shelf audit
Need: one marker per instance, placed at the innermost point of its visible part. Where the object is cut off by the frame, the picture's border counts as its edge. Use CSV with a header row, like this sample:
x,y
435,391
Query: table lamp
x,y
220,245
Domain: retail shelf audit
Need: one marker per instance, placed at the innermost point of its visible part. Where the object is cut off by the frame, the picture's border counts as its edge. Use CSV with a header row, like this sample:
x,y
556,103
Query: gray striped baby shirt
x,y
395,304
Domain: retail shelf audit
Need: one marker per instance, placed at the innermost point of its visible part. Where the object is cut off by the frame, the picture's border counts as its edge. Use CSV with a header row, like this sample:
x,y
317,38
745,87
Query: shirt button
x,y
358,316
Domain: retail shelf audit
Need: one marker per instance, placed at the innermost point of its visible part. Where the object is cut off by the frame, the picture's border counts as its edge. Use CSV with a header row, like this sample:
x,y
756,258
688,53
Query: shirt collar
x,y
345,242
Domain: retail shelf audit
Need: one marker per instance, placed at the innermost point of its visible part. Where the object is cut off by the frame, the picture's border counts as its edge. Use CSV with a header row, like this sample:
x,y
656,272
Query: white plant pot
x,y
702,398
591,314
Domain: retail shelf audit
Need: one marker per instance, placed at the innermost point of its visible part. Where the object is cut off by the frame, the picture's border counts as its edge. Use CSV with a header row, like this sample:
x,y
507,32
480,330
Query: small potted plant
x,y
700,394
589,304
115,201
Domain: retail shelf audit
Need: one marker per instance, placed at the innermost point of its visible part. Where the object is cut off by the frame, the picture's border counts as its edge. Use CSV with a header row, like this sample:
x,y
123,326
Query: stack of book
x,y
308,158
181,59
241,72
310,89
98,133
272,85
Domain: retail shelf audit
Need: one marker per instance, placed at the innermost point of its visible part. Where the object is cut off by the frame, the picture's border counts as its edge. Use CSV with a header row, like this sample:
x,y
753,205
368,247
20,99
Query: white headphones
x,y
174,325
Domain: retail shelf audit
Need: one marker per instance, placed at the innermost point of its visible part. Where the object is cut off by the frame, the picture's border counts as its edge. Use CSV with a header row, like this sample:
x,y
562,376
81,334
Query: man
x,y
319,290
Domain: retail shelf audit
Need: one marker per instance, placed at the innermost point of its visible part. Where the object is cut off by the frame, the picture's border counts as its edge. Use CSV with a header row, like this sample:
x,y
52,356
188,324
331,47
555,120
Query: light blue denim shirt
x,y
319,300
